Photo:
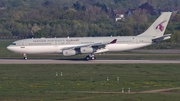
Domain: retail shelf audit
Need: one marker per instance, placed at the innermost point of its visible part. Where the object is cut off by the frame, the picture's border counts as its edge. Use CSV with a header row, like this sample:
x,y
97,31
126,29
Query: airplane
x,y
93,45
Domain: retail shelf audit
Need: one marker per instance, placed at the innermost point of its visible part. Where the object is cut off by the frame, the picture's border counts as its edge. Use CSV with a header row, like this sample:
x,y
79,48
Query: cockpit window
x,y
13,44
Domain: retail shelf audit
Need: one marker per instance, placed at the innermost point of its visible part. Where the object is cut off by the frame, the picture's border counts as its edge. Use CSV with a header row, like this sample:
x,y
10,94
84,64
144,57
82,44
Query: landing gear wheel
x,y
90,57
25,56
93,58
87,58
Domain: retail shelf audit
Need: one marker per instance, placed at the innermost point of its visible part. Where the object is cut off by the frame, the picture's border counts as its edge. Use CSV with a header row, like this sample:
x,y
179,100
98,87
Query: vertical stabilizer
x,y
159,26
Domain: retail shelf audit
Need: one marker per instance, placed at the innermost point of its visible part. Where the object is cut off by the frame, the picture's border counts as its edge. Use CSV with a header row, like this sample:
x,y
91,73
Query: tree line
x,y
62,18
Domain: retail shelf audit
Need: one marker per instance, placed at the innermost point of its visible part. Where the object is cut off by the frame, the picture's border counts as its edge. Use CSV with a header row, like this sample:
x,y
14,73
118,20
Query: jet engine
x,y
85,50
69,52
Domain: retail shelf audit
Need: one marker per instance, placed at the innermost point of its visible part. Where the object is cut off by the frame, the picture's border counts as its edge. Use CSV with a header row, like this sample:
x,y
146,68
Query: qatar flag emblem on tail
x,y
160,26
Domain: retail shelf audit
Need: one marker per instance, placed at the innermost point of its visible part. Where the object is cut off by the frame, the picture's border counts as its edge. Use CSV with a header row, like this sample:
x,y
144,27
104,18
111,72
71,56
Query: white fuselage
x,y
56,45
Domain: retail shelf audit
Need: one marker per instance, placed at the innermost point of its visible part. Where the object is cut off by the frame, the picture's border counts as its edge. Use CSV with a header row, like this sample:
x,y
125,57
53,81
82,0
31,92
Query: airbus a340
x,y
92,45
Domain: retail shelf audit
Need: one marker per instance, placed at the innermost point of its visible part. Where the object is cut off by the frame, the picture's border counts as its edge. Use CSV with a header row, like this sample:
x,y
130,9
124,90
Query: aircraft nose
x,y
9,47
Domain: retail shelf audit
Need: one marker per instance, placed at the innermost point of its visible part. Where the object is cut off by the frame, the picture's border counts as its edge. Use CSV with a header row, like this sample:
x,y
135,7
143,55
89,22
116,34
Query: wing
x,y
94,45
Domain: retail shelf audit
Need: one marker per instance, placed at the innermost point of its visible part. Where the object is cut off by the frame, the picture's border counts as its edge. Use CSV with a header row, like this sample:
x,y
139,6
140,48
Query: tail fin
x,y
159,26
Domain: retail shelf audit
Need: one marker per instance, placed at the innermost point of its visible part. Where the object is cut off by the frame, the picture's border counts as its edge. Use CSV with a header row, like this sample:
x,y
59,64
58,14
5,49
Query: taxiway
x,y
49,61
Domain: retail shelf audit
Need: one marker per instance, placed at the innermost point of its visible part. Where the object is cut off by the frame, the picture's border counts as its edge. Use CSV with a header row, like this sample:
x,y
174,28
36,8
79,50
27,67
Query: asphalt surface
x,y
159,51
51,61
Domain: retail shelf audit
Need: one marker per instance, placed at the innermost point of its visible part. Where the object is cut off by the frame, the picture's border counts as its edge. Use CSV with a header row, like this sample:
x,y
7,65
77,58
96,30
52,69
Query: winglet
x,y
114,41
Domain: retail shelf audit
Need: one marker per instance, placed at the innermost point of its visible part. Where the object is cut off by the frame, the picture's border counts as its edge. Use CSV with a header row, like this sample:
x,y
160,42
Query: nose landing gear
x,y
25,56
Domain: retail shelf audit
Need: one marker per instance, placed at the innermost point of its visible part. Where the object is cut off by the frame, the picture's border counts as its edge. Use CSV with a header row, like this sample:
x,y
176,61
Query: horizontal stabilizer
x,y
159,39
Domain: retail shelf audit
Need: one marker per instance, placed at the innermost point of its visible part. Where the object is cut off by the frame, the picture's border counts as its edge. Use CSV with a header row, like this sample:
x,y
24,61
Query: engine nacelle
x,y
69,52
85,50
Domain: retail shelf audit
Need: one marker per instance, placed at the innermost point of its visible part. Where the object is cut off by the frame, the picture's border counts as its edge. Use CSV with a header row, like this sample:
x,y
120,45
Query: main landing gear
x,y
90,57
25,56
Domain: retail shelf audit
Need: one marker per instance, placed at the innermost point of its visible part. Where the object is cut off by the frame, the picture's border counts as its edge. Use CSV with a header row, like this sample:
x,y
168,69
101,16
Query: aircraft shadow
x,y
72,59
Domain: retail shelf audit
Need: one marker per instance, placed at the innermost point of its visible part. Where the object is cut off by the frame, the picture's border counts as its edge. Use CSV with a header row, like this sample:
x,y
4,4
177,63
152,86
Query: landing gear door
x,y
55,43
22,44
137,40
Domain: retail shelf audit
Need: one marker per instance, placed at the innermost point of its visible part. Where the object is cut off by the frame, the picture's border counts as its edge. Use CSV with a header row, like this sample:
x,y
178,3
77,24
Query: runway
x,y
49,61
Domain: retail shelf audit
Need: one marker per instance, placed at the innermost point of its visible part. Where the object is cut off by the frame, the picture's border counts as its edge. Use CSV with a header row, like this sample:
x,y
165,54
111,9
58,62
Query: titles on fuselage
x,y
69,40
39,40
54,40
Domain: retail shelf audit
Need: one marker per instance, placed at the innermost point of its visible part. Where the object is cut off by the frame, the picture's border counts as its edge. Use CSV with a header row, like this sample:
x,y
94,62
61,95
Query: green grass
x,y
40,83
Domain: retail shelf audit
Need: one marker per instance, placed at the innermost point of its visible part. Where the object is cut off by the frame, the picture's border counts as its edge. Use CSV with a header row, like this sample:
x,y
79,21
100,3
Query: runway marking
x,y
49,61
